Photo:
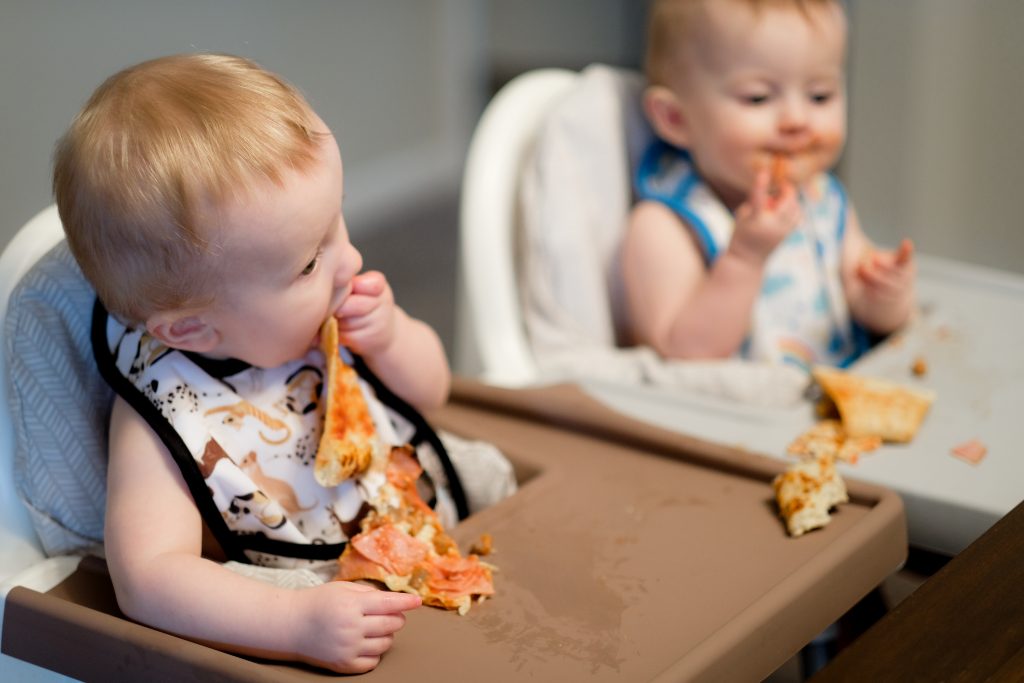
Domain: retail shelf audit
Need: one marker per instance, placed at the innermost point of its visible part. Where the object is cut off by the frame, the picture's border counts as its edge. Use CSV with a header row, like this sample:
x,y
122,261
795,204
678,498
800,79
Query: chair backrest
x,y
492,339
18,541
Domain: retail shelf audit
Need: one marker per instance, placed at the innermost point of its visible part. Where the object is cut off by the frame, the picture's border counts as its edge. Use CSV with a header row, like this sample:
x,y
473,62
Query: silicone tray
x,y
629,553
969,331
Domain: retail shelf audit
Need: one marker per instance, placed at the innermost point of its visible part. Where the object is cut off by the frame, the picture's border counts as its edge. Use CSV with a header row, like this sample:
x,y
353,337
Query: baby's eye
x,y
821,97
311,266
754,99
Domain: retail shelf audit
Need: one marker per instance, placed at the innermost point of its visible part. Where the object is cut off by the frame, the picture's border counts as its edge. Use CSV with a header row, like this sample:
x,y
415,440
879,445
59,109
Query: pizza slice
x,y
401,544
349,439
806,492
875,407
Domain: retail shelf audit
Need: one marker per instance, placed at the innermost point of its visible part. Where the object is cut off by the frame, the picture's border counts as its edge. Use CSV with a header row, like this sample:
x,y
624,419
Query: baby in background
x,y
202,197
742,244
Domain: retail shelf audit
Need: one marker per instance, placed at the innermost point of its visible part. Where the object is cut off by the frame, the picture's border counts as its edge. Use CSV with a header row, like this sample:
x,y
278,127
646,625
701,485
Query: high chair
x,y
628,545
490,331
545,195
544,204
22,558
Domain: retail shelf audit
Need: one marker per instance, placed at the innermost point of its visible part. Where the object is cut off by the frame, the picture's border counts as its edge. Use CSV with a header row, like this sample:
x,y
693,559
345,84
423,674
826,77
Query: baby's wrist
x,y
746,255
296,618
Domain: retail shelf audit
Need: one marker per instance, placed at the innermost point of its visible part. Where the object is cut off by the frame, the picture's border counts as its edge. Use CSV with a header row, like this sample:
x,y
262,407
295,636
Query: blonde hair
x,y
671,22
154,145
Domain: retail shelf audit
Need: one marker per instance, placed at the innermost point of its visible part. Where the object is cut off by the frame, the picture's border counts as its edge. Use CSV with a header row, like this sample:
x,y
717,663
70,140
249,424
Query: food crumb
x,y
973,451
919,367
484,546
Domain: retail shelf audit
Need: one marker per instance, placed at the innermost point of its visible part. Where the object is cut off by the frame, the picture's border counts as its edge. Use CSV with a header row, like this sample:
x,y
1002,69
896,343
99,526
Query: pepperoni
x,y
394,550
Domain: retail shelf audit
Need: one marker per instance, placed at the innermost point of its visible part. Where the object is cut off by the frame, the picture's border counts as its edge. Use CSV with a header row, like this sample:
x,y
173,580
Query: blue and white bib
x,y
801,316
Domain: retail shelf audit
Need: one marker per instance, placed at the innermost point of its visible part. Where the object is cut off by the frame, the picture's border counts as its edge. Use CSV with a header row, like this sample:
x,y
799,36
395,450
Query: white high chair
x,y
492,339
22,560
545,197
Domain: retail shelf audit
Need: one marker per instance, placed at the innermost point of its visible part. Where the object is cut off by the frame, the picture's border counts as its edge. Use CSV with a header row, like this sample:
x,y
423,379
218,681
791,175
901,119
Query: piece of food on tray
x,y
973,451
349,439
806,492
874,407
829,438
401,544
919,368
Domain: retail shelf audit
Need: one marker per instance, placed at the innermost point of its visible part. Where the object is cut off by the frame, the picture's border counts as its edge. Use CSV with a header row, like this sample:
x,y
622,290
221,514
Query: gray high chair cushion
x,y
60,405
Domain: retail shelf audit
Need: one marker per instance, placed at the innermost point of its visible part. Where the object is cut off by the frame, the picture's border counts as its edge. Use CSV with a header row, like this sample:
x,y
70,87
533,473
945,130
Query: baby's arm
x,y
879,284
153,546
403,351
676,304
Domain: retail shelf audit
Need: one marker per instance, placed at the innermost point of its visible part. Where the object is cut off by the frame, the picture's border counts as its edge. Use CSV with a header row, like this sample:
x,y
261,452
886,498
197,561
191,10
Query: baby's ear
x,y
665,112
187,330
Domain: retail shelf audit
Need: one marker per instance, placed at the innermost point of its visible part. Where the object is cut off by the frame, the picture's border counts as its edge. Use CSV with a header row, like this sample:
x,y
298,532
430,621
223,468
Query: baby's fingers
x,y
879,274
391,603
360,665
378,625
375,647
760,192
370,283
356,306
905,252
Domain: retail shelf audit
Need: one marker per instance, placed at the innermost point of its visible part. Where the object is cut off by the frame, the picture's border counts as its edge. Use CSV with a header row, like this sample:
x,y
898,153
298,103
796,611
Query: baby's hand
x,y
766,218
887,275
346,627
366,321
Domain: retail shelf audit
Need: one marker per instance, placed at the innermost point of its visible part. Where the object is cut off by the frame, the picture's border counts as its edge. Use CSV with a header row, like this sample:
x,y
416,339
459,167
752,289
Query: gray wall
x,y
400,82
936,98
936,146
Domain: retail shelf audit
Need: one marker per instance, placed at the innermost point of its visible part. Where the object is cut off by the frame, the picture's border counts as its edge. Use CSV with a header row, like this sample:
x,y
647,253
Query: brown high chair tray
x,y
629,553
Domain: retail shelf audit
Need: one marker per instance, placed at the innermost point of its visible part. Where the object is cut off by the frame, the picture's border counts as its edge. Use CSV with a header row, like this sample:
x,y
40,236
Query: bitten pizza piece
x,y
402,545
875,407
349,439
806,492
828,439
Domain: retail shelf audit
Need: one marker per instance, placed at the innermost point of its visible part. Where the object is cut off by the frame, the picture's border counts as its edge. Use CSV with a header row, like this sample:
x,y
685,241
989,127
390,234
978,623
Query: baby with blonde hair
x,y
202,197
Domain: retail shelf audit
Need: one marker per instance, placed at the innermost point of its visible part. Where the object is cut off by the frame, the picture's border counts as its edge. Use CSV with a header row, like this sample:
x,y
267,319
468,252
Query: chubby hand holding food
x,y
680,306
403,351
770,213
366,319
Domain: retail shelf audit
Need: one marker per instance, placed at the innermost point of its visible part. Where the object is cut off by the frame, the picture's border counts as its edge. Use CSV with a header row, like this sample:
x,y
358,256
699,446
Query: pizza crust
x,y
806,492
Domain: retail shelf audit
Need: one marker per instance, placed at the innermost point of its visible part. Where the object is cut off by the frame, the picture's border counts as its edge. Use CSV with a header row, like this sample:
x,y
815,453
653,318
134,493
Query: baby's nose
x,y
793,115
351,264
